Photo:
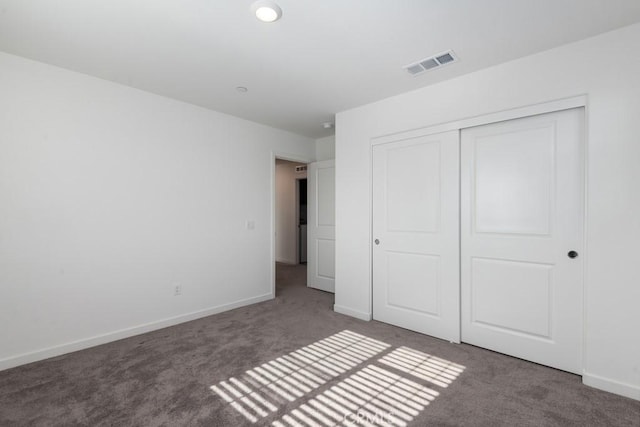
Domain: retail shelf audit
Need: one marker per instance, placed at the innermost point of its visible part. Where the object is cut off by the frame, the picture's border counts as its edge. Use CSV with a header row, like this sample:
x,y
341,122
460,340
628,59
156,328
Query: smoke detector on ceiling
x,y
431,63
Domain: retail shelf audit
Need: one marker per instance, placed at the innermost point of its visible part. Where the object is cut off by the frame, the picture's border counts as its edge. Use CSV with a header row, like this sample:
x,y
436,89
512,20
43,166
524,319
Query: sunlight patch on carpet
x,y
386,386
266,387
371,396
424,366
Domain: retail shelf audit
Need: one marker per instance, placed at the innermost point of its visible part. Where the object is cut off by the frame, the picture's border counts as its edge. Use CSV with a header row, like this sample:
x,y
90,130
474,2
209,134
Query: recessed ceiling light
x,y
242,89
266,10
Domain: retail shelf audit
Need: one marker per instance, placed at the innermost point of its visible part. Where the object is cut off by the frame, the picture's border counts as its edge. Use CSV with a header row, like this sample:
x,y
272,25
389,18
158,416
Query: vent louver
x,y
414,69
431,63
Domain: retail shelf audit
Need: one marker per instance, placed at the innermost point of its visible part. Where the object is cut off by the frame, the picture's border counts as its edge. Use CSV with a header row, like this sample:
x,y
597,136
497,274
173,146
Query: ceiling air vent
x,y
430,63
301,168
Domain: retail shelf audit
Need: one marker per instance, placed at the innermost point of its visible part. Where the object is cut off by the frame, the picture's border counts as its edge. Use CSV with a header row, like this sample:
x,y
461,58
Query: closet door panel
x,y
416,234
521,216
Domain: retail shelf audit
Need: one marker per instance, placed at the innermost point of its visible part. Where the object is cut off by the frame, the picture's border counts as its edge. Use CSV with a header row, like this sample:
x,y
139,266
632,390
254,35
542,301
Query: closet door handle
x,y
572,254
377,242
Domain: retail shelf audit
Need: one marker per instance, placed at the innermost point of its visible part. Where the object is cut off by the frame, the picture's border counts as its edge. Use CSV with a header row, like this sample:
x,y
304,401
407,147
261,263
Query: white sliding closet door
x,y
522,238
416,266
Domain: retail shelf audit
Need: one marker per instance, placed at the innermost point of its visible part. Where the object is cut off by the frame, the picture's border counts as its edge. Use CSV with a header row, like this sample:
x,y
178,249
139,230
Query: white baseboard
x,y
351,312
82,344
612,386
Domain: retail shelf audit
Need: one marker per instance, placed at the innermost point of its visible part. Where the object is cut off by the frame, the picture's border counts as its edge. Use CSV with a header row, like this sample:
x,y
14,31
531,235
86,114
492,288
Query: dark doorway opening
x,y
302,220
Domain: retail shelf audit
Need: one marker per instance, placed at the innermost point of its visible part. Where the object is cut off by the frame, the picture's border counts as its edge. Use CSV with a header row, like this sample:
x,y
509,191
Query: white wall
x,y
612,346
326,148
109,196
286,211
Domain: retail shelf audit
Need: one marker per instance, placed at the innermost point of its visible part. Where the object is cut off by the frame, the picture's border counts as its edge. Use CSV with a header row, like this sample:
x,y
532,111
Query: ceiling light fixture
x,y
266,10
242,89
327,125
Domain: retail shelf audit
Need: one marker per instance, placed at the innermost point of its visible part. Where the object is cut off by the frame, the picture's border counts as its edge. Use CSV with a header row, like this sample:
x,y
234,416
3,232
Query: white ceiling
x,y
321,58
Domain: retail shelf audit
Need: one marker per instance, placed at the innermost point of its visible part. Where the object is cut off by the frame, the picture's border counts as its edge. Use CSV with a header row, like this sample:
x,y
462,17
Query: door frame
x,y
278,155
580,101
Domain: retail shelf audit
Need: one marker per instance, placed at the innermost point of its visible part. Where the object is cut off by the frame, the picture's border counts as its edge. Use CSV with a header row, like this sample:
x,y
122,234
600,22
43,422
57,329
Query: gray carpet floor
x,y
292,361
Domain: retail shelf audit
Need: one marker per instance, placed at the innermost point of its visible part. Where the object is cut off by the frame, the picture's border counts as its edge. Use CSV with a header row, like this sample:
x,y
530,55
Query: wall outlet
x,y
177,289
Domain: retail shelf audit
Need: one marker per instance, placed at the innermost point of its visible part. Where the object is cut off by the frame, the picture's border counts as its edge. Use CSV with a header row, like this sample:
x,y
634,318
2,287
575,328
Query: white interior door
x,y
521,215
321,225
416,267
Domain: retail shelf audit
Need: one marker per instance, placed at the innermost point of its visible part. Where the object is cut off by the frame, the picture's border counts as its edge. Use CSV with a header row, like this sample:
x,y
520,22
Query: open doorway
x,y
290,224
301,206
